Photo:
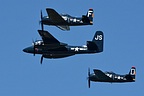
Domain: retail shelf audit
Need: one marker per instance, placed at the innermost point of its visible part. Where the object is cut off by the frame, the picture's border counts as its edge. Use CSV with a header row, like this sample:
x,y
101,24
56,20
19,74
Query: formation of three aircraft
x,y
50,47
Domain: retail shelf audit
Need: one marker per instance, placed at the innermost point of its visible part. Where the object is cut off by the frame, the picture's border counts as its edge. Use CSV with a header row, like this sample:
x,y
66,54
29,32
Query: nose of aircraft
x,y
25,50
28,50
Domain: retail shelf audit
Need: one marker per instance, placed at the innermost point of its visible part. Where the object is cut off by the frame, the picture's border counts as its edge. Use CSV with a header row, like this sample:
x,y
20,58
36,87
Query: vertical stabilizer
x,y
90,15
97,42
88,18
133,73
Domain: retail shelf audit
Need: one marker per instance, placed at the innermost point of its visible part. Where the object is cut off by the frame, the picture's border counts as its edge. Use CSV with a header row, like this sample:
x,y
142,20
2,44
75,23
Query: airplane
x,y
63,21
50,47
111,77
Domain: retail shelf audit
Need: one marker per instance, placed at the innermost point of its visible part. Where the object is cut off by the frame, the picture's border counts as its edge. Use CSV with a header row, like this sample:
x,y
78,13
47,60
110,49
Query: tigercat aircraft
x,y
111,77
50,47
63,21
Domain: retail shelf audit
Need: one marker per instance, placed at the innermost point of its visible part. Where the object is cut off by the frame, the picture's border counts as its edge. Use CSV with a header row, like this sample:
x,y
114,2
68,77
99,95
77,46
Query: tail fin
x,y
90,15
88,18
97,42
132,73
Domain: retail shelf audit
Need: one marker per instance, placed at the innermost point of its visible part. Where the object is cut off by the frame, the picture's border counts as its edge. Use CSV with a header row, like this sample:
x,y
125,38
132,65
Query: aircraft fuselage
x,y
70,21
58,52
114,78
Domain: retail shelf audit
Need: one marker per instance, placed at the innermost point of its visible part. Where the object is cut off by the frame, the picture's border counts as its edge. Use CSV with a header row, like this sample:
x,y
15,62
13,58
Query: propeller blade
x,y
88,71
89,77
41,59
42,26
34,47
88,82
41,14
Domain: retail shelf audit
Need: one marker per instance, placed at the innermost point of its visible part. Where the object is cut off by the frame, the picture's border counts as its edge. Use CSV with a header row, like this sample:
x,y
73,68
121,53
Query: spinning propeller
x,y
41,22
89,77
41,59
34,47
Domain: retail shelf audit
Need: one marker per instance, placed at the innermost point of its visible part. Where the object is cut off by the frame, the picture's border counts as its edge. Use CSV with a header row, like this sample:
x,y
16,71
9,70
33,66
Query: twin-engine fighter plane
x,y
63,21
99,76
50,47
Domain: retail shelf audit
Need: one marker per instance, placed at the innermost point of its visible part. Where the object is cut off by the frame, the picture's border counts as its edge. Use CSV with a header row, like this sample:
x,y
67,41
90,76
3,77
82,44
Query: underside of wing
x,y
55,17
64,27
47,38
100,75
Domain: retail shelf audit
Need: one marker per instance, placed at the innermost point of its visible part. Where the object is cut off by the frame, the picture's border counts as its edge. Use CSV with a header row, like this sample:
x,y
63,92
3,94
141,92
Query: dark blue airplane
x,y
111,77
50,47
63,21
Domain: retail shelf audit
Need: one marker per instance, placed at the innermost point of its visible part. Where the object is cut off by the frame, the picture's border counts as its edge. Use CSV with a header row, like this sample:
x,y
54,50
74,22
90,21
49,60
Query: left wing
x,y
55,17
47,38
101,75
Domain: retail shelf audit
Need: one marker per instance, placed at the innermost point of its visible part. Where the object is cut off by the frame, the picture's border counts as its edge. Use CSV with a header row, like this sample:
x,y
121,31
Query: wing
x,y
64,27
101,75
47,38
55,17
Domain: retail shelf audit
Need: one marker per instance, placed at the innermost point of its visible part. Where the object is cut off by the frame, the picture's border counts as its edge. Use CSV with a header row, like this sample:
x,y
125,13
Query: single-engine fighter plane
x,y
63,21
50,47
111,77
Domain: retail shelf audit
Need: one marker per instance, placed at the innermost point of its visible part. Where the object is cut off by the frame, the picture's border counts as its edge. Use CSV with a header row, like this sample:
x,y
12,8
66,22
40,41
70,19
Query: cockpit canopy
x,y
110,72
66,15
45,17
85,46
38,42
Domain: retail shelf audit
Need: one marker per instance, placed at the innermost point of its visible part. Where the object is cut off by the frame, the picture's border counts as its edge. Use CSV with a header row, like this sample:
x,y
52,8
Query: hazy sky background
x,y
21,74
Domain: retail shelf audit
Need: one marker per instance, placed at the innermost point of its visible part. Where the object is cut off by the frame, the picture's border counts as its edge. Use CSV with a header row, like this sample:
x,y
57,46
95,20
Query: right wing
x,y
101,75
47,38
51,42
55,17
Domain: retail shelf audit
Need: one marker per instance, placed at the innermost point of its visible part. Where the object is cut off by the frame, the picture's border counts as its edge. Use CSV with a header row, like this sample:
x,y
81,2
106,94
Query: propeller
x,y
41,22
41,59
89,77
34,47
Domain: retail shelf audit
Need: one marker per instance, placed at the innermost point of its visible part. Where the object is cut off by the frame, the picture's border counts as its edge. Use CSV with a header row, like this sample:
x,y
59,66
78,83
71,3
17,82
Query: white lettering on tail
x,y
99,37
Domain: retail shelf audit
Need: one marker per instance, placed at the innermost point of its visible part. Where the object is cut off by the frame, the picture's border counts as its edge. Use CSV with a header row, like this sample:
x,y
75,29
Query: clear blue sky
x,y
21,74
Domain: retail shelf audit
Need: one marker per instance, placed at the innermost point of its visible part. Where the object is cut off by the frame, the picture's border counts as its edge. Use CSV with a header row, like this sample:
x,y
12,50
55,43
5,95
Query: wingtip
x,y
49,9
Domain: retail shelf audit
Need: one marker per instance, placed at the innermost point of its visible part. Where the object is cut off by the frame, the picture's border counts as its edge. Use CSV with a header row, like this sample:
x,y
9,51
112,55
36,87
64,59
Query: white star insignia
x,y
76,49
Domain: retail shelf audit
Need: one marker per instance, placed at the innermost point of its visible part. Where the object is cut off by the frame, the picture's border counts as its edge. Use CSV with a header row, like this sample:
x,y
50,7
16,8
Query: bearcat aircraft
x,y
111,77
63,21
50,47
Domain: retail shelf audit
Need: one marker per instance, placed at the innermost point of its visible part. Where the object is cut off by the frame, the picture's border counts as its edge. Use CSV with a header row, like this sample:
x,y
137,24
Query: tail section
x,y
88,18
132,73
97,42
90,15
